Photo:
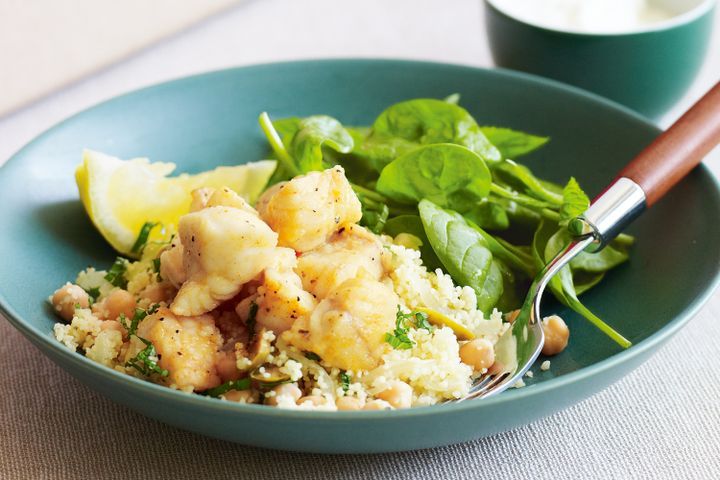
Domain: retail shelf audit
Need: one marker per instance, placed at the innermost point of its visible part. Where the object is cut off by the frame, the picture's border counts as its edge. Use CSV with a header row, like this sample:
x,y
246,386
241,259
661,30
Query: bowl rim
x,y
675,21
45,341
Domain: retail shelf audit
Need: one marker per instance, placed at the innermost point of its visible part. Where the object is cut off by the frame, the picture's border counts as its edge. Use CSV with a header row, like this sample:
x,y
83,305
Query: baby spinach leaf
x,y
562,284
609,257
489,214
413,225
450,175
378,150
521,179
575,201
511,297
511,143
464,253
312,134
511,255
426,121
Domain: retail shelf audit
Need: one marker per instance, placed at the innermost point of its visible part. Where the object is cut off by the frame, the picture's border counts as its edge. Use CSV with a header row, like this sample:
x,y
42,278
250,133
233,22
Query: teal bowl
x,y
208,120
647,69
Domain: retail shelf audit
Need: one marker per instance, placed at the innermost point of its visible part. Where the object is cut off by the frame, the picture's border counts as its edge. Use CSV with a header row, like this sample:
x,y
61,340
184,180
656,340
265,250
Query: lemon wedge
x,y
121,195
441,320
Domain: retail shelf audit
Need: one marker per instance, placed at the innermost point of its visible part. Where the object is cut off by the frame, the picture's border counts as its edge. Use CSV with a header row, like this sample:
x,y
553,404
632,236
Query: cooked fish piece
x,y
347,329
346,253
280,298
222,197
224,247
308,209
262,202
186,346
171,263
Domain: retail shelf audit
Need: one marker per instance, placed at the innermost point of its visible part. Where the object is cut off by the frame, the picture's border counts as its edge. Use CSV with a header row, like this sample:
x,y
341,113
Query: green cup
x,y
648,69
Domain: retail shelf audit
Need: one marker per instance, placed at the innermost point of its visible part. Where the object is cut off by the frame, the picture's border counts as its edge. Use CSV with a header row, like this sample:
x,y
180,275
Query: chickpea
x,y
315,400
398,394
478,353
66,298
117,302
377,405
557,335
286,390
240,396
348,403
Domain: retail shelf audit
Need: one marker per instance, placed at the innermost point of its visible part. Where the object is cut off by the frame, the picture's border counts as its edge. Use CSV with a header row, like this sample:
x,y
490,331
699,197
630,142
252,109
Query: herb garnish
x,y
144,362
344,381
156,266
93,293
312,356
242,384
116,274
403,321
142,237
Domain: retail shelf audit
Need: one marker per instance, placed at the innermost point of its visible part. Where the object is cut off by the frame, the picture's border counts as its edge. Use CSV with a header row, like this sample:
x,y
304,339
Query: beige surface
x,y
661,422
46,44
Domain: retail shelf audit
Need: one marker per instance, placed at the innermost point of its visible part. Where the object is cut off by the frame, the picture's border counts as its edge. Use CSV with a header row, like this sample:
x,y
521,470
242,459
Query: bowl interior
x,y
205,121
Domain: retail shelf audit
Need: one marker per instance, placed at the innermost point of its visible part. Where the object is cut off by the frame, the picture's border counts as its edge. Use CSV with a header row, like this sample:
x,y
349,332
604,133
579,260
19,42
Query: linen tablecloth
x,y
662,421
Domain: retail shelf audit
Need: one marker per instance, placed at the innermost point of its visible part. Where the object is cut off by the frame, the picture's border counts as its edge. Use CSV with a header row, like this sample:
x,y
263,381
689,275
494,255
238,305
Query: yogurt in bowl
x,y
590,16
641,53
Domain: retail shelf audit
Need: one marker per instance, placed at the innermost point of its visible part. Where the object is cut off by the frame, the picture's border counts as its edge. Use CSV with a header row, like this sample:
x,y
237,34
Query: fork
x,y
646,179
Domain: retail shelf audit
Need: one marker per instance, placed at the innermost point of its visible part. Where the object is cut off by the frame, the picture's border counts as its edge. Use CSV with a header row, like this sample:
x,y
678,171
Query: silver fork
x,y
646,179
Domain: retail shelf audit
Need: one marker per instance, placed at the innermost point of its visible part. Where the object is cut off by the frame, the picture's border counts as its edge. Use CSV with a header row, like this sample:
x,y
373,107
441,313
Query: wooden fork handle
x,y
678,150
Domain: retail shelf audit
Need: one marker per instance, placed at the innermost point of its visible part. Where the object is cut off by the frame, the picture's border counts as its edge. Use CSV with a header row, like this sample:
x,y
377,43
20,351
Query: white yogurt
x,y
590,16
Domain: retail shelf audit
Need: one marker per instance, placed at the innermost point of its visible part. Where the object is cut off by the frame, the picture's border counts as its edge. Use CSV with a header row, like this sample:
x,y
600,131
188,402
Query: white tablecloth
x,y
662,421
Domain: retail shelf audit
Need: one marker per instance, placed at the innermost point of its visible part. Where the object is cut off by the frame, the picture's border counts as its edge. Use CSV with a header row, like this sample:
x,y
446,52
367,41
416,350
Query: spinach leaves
x,y
450,175
464,253
511,143
427,169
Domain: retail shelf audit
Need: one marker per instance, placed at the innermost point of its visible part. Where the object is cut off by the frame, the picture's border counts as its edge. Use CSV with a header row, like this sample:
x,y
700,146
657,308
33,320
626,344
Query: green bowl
x,y
208,120
647,69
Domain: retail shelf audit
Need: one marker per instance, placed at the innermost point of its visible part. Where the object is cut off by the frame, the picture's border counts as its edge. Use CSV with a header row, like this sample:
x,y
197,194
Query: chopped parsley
x,y
344,381
139,315
116,274
398,338
312,356
142,237
145,361
156,266
93,293
242,384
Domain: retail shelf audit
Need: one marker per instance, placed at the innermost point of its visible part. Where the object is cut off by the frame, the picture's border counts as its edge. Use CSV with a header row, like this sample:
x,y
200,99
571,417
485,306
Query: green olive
x,y
442,320
271,376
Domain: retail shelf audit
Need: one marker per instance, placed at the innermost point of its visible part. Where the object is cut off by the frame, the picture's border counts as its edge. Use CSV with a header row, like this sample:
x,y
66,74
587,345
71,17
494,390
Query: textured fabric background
x,y
661,422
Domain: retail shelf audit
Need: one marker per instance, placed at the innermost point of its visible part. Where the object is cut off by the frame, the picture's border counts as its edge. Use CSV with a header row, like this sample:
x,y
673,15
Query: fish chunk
x,y
349,251
224,247
281,299
186,346
347,329
308,209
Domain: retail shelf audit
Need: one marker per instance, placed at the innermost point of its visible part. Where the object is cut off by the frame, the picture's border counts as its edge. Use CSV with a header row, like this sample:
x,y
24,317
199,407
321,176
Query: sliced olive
x,y
258,351
270,376
442,320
